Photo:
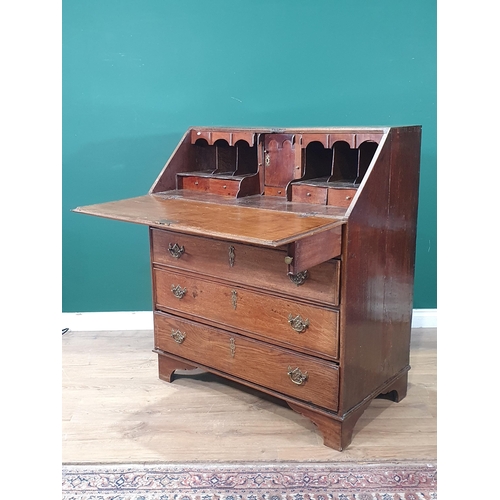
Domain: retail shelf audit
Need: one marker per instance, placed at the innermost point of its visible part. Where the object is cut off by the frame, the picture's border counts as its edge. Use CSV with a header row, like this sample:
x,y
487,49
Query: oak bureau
x,y
283,259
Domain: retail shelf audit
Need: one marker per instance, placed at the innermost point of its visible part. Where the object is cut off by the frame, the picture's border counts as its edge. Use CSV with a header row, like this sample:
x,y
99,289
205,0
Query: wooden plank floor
x,y
116,410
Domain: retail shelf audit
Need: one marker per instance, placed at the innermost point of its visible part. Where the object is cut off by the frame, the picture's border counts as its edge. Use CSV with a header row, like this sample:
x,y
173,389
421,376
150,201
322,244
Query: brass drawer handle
x,y
299,278
178,336
178,291
296,376
297,323
175,250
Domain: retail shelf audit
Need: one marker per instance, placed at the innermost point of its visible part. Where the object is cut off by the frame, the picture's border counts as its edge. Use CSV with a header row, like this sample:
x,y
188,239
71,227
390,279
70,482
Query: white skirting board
x,y
143,320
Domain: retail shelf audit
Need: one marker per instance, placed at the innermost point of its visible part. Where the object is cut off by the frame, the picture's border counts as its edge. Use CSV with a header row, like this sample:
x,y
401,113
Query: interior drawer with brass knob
x,y
256,267
306,327
291,373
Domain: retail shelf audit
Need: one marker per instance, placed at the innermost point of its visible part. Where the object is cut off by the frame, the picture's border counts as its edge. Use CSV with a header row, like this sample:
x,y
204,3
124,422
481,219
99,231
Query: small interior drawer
x,y
287,372
309,194
340,197
223,187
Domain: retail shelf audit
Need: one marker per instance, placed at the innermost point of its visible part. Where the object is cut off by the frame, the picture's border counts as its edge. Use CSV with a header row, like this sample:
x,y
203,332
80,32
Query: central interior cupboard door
x,y
279,159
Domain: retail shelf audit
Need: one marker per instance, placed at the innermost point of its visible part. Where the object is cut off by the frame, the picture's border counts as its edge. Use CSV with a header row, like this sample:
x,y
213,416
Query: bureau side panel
x,y
181,160
378,270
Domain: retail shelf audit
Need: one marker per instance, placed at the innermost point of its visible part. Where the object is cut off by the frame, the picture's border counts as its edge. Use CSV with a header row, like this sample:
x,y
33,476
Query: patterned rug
x,y
305,481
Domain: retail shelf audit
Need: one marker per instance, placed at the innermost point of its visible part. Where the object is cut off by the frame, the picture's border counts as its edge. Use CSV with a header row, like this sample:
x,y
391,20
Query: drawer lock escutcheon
x,y
231,256
178,291
296,376
297,323
299,278
175,250
232,347
234,298
178,336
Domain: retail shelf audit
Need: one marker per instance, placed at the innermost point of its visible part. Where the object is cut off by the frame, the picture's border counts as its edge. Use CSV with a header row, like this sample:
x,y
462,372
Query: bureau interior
x,y
339,164
273,163
332,174
222,159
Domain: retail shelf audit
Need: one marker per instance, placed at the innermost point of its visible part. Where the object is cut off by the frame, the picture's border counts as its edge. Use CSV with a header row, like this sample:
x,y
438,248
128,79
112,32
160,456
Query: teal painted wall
x,y
137,74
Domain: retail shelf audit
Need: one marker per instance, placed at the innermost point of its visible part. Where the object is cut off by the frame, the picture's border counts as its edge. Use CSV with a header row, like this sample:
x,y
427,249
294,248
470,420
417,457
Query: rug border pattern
x,y
323,481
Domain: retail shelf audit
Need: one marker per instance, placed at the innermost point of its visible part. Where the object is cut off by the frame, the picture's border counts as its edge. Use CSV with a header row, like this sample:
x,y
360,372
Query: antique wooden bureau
x,y
283,259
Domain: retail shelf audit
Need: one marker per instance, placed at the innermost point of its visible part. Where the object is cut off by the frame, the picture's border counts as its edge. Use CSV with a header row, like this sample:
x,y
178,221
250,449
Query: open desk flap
x,y
258,226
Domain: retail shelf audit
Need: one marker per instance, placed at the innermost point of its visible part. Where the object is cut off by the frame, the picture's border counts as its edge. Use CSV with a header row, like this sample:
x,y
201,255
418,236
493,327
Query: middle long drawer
x,y
281,321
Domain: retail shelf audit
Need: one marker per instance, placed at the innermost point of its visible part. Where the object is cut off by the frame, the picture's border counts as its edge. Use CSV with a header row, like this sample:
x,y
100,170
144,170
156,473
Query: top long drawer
x,y
260,268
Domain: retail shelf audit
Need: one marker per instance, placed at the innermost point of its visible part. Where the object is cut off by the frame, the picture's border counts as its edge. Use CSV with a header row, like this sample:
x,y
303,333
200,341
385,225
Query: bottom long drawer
x,y
294,374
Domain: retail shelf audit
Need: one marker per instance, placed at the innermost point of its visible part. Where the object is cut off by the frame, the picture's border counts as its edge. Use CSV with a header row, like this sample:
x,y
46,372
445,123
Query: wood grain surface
x,y
256,267
251,360
230,222
256,314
